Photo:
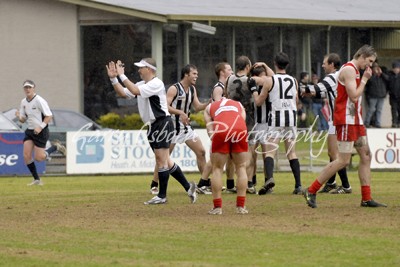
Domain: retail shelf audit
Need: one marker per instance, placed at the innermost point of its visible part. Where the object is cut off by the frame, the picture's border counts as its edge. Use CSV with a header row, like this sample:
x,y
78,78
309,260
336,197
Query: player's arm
x,y
243,113
197,105
208,121
172,92
259,99
217,93
20,115
114,70
319,90
269,72
348,77
226,93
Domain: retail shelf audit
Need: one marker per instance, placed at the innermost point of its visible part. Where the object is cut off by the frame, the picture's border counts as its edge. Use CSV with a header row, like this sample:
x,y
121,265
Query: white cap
x,y
28,83
145,63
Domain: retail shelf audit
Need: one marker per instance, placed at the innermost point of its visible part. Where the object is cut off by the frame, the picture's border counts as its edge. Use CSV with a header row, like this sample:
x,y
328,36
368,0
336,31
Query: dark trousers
x,y
395,108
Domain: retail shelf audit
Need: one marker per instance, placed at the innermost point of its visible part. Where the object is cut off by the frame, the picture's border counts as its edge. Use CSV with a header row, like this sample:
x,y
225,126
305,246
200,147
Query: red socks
x,y
217,203
240,201
315,186
366,192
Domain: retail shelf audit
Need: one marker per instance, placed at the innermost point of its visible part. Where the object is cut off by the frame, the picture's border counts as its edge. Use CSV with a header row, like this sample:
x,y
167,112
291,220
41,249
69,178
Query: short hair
x,y
256,71
335,59
186,70
242,62
281,60
365,51
220,67
303,75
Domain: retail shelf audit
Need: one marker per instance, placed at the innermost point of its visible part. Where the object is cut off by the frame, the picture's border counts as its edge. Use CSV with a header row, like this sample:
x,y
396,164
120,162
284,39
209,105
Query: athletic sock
x,y
202,183
153,184
177,173
163,177
254,179
315,186
217,203
32,169
366,192
295,166
343,177
240,201
250,184
230,183
268,167
51,149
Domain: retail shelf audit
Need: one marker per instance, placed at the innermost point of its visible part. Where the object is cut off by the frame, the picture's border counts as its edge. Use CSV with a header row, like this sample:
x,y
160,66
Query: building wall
x,y
40,40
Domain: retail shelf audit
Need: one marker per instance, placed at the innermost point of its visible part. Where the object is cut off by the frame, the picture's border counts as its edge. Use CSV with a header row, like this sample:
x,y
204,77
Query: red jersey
x,y
228,112
230,134
347,112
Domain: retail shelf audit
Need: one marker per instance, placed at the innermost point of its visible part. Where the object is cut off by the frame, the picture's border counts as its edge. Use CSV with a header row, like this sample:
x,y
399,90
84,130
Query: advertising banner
x,y
118,151
12,157
385,148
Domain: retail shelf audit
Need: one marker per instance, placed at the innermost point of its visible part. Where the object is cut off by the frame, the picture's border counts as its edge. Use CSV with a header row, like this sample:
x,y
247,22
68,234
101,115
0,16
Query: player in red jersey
x,y
227,129
350,130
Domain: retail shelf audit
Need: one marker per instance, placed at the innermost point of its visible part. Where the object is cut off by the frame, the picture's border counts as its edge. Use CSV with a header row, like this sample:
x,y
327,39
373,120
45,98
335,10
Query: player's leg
x,y
364,173
345,188
218,162
270,147
290,147
250,169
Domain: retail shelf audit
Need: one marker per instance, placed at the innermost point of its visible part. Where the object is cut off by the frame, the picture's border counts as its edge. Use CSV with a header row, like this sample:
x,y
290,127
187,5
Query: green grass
x,y
101,221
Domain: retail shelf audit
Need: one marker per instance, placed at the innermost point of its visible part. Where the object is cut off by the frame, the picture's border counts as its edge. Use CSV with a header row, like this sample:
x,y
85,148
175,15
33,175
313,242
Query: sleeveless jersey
x,y
282,97
261,113
237,89
228,112
182,101
347,112
218,84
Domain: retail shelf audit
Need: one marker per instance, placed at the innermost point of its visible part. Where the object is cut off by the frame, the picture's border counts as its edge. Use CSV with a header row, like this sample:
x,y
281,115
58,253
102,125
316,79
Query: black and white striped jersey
x,y
261,113
218,84
182,101
282,97
327,88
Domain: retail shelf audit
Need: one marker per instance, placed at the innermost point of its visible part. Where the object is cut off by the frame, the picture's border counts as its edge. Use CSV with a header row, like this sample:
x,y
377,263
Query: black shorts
x,y
40,139
160,133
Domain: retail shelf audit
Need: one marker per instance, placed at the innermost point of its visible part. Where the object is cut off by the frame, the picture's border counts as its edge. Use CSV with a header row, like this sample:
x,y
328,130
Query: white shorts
x,y
260,133
332,128
287,133
182,137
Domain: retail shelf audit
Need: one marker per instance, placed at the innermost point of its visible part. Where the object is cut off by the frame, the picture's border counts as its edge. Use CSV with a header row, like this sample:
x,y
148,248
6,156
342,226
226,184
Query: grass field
x,y
101,221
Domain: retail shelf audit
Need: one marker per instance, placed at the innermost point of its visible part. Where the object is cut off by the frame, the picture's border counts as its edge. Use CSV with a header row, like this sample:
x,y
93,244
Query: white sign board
x,y
385,148
117,151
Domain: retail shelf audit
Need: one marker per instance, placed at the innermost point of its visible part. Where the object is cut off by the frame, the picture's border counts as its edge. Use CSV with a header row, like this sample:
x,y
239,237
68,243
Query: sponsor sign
x,y
385,148
12,157
118,151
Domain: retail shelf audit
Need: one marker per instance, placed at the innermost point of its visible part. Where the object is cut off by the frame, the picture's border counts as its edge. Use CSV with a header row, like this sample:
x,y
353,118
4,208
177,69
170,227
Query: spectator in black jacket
x,y
394,93
375,92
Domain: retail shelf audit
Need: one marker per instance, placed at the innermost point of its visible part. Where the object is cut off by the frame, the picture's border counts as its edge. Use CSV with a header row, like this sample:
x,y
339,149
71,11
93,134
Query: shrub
x,y
126,122
198,120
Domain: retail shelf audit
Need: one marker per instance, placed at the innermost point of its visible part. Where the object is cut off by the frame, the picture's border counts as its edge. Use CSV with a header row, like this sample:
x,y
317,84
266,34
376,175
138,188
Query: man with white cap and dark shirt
x,y
36,112
153,110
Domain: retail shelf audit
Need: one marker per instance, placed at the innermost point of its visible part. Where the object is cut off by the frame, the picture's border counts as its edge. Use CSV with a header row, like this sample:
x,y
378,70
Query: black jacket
x,y
376,87
394,85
